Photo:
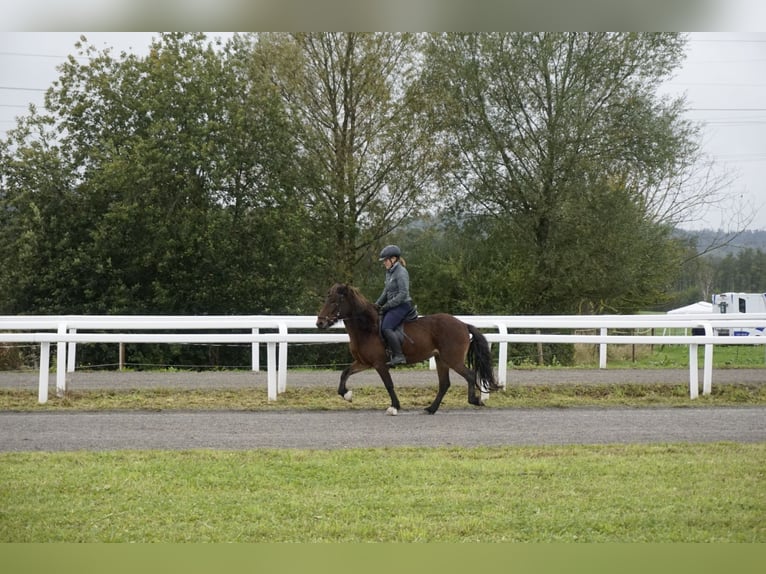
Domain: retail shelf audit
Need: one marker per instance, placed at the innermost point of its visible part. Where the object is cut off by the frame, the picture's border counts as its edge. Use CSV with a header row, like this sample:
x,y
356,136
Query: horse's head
x,y
336,306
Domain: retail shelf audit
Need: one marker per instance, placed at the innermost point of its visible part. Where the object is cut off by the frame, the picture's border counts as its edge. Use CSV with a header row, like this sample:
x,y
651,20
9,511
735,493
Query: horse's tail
x,y
480,360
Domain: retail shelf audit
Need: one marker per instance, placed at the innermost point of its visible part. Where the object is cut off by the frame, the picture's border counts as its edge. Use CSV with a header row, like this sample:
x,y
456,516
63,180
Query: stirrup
x,y
397,360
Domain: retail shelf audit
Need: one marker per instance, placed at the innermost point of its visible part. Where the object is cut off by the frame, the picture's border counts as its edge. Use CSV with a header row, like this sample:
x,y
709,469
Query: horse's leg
x,y
354,367
388,382
470,378
442,370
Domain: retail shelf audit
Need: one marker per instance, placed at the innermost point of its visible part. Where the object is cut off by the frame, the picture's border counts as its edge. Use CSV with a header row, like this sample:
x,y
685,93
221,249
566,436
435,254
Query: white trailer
x,y
740,304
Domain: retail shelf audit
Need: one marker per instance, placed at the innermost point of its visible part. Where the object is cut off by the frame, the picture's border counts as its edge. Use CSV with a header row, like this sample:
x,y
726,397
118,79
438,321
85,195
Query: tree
x,y
37,237
743,272
561,141
170,188
367,161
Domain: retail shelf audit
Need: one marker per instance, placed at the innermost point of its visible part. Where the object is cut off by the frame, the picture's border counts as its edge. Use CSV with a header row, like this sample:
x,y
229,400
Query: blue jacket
x,y
397,288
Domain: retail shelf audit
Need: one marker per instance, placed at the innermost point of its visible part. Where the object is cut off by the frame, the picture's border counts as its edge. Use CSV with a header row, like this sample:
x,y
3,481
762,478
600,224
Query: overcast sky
x,y
724,79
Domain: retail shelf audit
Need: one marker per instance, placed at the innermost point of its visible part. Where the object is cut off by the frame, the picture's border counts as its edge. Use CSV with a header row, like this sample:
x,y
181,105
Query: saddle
x,y
409,318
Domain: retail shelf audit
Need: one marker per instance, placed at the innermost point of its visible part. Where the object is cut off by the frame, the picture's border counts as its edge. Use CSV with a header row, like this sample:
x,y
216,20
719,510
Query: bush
x,y
10,358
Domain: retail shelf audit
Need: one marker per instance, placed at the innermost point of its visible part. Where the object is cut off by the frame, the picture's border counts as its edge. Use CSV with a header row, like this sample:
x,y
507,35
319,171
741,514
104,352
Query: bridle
x,y
336,314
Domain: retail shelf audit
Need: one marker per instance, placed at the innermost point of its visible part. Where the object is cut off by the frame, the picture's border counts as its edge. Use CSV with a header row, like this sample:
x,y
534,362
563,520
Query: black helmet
x,y
389,251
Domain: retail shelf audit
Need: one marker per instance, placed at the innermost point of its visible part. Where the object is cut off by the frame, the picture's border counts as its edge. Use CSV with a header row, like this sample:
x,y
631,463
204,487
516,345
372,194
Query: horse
x,y
454,345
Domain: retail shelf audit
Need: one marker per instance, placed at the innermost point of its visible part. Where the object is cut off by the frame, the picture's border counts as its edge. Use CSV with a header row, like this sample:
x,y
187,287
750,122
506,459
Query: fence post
x,y
707,373
256,358
694,388
61,363
71,354
602,350
45,362
502,361
271,376
282,369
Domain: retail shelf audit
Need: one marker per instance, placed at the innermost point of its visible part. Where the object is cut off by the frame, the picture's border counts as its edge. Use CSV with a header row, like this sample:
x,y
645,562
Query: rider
x,y
394,302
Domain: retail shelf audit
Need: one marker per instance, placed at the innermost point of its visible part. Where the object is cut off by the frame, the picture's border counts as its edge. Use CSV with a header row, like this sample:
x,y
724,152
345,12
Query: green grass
x,y
632,493
375,397
671,356
655,493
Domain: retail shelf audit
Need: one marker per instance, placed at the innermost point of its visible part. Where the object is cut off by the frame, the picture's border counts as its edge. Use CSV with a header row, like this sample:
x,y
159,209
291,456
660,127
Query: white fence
x,y
67,331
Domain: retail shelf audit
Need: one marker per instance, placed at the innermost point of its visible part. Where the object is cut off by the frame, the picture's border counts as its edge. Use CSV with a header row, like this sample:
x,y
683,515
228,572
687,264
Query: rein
x,y
332,319
337,315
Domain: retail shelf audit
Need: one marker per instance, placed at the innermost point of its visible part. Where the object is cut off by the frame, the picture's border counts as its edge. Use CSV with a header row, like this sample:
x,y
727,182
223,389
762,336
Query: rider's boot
x,y
397,357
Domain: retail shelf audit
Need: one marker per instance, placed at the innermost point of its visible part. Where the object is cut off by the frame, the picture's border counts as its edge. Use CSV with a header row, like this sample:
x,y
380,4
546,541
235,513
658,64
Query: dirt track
x,y
55,431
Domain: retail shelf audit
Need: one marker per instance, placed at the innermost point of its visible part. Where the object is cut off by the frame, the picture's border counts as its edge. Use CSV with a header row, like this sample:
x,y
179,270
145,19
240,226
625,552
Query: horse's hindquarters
x,y
440,334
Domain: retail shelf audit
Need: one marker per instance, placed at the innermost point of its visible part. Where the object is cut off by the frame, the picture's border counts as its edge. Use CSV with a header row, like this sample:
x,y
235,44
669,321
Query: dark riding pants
x,y
394,316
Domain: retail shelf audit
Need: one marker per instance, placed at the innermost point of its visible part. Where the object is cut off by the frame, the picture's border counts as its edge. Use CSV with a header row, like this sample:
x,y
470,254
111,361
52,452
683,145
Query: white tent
x,y
698,307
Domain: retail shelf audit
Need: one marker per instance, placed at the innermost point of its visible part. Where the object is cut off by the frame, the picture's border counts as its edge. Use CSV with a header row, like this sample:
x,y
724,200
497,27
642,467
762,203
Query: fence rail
x,y
275,332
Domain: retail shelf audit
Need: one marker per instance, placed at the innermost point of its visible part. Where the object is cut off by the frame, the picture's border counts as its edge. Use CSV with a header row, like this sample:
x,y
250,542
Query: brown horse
x,y
455,345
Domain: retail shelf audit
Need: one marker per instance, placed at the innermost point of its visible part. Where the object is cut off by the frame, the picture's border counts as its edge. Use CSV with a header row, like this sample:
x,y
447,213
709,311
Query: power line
x,y
727,62
724,159
23,89
729,41
717,85
733,123
33,55
727,109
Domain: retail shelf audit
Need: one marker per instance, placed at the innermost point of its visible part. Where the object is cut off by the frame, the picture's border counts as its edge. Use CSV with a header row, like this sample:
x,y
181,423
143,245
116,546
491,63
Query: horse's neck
x,y
363,321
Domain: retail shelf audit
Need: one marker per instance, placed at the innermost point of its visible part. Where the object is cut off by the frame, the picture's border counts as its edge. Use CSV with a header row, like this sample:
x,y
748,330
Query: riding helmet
x,y
390,251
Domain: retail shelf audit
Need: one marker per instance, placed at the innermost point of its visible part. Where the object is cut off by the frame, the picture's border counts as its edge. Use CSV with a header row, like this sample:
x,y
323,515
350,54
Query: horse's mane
x,y
356,295
364,311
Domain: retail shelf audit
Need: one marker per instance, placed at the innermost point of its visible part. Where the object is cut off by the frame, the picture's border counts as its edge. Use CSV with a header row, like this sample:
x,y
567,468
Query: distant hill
x,y
732,243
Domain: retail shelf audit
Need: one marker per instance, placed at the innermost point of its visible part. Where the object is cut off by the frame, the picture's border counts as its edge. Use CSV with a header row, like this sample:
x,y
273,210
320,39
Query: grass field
x,y
655,493
615,493
670,356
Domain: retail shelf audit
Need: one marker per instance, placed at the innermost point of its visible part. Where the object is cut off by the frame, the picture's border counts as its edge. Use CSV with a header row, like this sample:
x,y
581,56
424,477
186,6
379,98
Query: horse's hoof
x,y
429,412
348,396
392,411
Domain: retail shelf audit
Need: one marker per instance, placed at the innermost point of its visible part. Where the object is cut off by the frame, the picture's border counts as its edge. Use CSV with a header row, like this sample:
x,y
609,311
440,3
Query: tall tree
x,y
743,272
368,160
174,191
563,142
38,241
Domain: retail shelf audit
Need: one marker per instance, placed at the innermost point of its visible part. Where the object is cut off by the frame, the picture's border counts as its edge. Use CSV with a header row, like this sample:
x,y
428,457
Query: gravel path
x,y
69,431
98,431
